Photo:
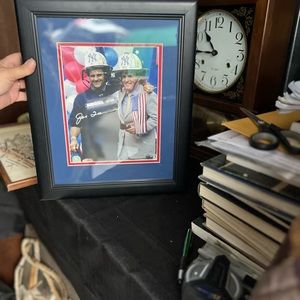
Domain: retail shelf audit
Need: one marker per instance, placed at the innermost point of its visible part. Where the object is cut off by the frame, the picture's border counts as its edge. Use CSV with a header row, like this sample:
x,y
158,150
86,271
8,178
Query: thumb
x,y
22,71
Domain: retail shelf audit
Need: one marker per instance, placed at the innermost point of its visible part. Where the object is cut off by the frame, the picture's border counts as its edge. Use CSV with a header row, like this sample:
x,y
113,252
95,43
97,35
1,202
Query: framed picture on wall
x,y
17,164
110,100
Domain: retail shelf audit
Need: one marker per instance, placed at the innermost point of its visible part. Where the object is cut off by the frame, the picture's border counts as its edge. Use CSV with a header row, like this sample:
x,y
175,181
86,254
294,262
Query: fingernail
x,y
29,61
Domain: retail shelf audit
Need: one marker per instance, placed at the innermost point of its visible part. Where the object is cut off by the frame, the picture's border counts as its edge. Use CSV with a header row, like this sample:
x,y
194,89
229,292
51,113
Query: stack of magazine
x,y
249,198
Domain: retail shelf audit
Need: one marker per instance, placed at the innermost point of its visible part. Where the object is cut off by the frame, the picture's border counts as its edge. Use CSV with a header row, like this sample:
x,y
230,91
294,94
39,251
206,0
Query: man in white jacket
x,y
138,111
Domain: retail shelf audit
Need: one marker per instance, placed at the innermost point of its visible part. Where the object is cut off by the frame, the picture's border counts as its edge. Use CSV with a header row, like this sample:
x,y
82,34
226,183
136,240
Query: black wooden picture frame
x,y
60,35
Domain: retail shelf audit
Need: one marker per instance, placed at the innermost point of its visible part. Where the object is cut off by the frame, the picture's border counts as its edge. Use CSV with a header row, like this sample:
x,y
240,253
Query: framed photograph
x,y
17,164
111,98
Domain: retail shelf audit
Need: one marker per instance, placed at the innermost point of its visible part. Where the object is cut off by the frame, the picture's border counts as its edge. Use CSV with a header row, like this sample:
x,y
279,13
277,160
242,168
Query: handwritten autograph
x,y
80,116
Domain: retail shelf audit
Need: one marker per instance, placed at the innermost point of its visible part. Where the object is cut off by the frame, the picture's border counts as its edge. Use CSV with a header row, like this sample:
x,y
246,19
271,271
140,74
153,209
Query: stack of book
x,y
246,208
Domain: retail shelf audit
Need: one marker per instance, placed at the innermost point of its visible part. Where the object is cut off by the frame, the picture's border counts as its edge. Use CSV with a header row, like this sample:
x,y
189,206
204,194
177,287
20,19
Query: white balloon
x,y
81,51
70,88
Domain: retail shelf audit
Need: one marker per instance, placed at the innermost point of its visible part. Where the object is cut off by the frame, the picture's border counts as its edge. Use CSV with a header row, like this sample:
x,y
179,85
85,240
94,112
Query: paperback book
x,y
230,242
247,211
280,174
252,185
263,244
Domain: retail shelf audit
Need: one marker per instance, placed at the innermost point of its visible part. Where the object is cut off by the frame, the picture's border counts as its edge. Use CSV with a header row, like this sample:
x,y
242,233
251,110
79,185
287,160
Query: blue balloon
x,y
111,56
100,50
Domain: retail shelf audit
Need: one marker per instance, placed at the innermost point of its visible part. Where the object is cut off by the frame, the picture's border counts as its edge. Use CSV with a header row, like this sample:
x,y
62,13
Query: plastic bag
x,y
33,279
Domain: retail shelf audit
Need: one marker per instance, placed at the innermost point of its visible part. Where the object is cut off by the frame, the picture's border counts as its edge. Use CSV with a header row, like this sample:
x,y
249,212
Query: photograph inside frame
x,y
111,102
110,97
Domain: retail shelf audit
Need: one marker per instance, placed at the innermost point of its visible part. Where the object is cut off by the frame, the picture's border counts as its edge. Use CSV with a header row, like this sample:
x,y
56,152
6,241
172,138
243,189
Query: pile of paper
x,y
276,163
290,101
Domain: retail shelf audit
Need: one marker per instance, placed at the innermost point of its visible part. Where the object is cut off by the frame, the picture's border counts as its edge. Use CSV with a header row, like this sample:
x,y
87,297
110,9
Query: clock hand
x,y
208,39
213,53
200,51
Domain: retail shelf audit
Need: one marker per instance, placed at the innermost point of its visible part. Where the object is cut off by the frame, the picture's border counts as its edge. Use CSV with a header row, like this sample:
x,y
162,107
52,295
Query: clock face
x,y
221,51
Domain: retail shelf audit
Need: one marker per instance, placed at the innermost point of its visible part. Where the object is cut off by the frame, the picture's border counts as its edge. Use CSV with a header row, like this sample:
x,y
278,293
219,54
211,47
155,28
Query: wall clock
x,y
258,78
221,51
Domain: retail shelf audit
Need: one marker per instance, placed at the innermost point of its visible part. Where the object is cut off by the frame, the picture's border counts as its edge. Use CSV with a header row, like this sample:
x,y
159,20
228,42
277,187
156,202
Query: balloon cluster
x,y
73,63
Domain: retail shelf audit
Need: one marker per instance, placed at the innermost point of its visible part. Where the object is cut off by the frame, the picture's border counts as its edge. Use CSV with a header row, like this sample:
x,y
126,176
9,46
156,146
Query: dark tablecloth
x,y
125,247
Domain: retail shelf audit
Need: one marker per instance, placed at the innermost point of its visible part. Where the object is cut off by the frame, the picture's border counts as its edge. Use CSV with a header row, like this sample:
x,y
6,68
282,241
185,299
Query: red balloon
x,y
86,77
81,86
67,54
73,71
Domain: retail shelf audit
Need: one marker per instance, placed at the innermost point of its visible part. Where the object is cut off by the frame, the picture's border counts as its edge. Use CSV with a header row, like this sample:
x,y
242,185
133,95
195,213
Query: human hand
x,y
12,72
131,129
281,280
294,238
74,146
148,88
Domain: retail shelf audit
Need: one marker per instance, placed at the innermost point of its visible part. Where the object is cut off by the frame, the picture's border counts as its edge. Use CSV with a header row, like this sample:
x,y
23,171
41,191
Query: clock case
x,y
245,16
268,25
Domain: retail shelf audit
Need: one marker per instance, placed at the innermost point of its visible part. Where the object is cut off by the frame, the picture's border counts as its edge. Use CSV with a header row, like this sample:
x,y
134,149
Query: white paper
x,y
285,165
